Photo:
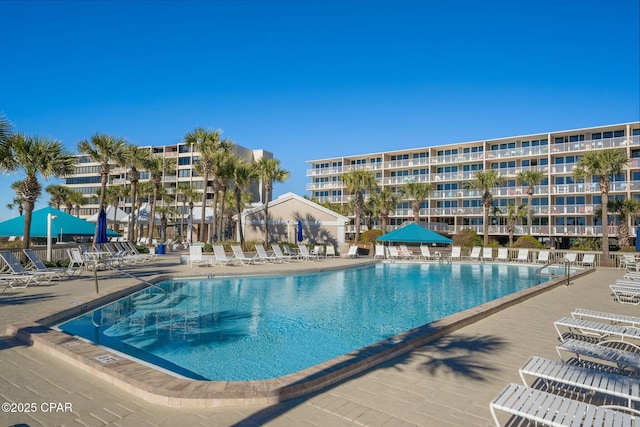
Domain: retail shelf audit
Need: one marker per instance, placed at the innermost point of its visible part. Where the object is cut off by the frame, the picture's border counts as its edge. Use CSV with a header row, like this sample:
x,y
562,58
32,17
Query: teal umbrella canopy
x,y
414,233
63,224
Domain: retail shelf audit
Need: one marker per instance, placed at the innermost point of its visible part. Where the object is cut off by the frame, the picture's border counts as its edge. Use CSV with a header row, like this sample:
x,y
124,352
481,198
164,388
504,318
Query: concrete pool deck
x,y
449,381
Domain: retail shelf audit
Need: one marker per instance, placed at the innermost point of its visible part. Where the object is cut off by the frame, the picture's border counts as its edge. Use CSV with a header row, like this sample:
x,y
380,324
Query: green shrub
x,y
208,247
628,249
527,242
370,236
467,238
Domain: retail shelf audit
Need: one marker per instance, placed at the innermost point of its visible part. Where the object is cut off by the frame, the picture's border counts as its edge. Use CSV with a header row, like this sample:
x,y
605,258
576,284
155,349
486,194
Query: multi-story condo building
x,y
86,177
563,207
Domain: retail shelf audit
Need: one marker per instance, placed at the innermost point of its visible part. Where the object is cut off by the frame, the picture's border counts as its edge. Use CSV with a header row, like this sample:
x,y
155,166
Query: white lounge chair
x,y
14,267
36,264
238,254
601,331
571,257
352,252
588,260
405,252
16,281
626,292
456,253
549,409
277,252
305,254
196,257
621,386
475,253
330,251
425,253
581,348
487,254
394,253
503,254
264,256
523,255
220,256
317,251
543,257
628,262
77,264
614,318
379,253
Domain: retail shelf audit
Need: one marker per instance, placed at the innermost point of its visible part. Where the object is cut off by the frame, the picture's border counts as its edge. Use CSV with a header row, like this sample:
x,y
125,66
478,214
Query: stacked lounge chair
x,y
611,378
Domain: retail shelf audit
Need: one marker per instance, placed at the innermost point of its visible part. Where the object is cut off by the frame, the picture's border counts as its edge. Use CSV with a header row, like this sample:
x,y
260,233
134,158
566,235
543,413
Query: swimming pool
x,y
252,328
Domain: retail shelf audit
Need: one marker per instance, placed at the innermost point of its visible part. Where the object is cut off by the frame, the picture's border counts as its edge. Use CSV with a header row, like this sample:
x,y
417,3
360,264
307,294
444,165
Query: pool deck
x,y
449,381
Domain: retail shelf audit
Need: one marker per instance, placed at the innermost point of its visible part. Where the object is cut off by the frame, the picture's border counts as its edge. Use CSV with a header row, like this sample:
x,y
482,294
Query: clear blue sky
x,y
315,79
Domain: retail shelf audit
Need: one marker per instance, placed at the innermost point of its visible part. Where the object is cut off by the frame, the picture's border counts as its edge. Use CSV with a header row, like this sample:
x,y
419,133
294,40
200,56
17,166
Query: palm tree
x,y
164,211
485,181
269,172
226,161
106,150
208,144
75,199
357,182
531,177
18,200
243,174
6,129
35,156
157,167
418,192
602,165
187,194
382,204
58,194
113,195
145,189
513,214
135,158
626,209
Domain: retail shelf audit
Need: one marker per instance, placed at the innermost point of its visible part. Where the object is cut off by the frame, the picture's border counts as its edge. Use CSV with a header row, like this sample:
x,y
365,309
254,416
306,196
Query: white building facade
x,y
563,208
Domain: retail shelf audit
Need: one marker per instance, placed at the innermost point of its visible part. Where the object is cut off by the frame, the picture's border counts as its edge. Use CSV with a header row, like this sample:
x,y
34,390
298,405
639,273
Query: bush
x,y
370,236
467,238
527,242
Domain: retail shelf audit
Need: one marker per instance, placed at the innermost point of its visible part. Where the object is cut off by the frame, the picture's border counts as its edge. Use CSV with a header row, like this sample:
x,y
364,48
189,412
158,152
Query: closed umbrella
x,y
102,227
300,237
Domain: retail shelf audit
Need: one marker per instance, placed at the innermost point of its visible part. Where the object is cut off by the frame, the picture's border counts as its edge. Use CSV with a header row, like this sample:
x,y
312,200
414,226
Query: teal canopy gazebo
x,y
414,233
63,225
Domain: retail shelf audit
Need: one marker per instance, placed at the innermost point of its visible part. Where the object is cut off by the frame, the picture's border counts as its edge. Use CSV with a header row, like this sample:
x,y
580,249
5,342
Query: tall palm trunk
x,y
530,192
359,208
267,191
152,214
237,192
605,223
204,207
30,192
134,176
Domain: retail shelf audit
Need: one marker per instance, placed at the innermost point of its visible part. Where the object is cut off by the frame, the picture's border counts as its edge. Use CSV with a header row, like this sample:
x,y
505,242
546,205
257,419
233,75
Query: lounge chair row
x,y
278,254
609,379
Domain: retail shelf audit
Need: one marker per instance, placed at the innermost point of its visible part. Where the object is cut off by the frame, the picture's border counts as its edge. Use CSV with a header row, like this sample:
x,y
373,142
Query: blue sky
x,y
314,79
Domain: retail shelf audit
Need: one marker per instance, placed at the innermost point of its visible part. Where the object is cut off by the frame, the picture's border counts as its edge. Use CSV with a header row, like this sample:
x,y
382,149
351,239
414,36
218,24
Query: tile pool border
x,y
162,388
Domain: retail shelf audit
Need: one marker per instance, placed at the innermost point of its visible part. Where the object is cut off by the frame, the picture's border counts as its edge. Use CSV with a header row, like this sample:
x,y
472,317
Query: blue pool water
x,y
253,328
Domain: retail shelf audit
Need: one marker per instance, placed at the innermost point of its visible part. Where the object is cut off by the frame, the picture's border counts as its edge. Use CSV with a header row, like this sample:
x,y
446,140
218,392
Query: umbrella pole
x,y
95,276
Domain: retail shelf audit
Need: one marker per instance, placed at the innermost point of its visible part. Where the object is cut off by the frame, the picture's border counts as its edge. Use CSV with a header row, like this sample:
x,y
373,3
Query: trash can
x,y
161,248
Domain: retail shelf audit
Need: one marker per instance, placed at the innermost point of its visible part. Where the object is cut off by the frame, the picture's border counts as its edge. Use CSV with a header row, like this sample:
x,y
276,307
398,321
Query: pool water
x,y
254,328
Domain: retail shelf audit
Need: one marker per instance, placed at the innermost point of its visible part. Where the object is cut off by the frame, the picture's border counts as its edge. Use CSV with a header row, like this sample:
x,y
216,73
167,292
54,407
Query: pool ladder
x,y
560,261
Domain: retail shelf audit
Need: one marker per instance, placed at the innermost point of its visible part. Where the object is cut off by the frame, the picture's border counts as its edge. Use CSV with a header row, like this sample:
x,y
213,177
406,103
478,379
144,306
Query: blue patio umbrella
x,y
300,237
101,237
638,239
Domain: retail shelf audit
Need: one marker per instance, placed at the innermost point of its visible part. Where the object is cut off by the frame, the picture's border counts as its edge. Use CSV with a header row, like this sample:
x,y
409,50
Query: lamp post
x,y
50,219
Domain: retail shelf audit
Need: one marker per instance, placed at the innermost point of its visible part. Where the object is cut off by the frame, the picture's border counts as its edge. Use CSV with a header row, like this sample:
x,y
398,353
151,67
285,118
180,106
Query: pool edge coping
x,y
165,389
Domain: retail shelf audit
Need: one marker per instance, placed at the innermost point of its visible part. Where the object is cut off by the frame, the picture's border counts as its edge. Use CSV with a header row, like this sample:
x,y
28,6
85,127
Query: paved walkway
x,y
446,383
